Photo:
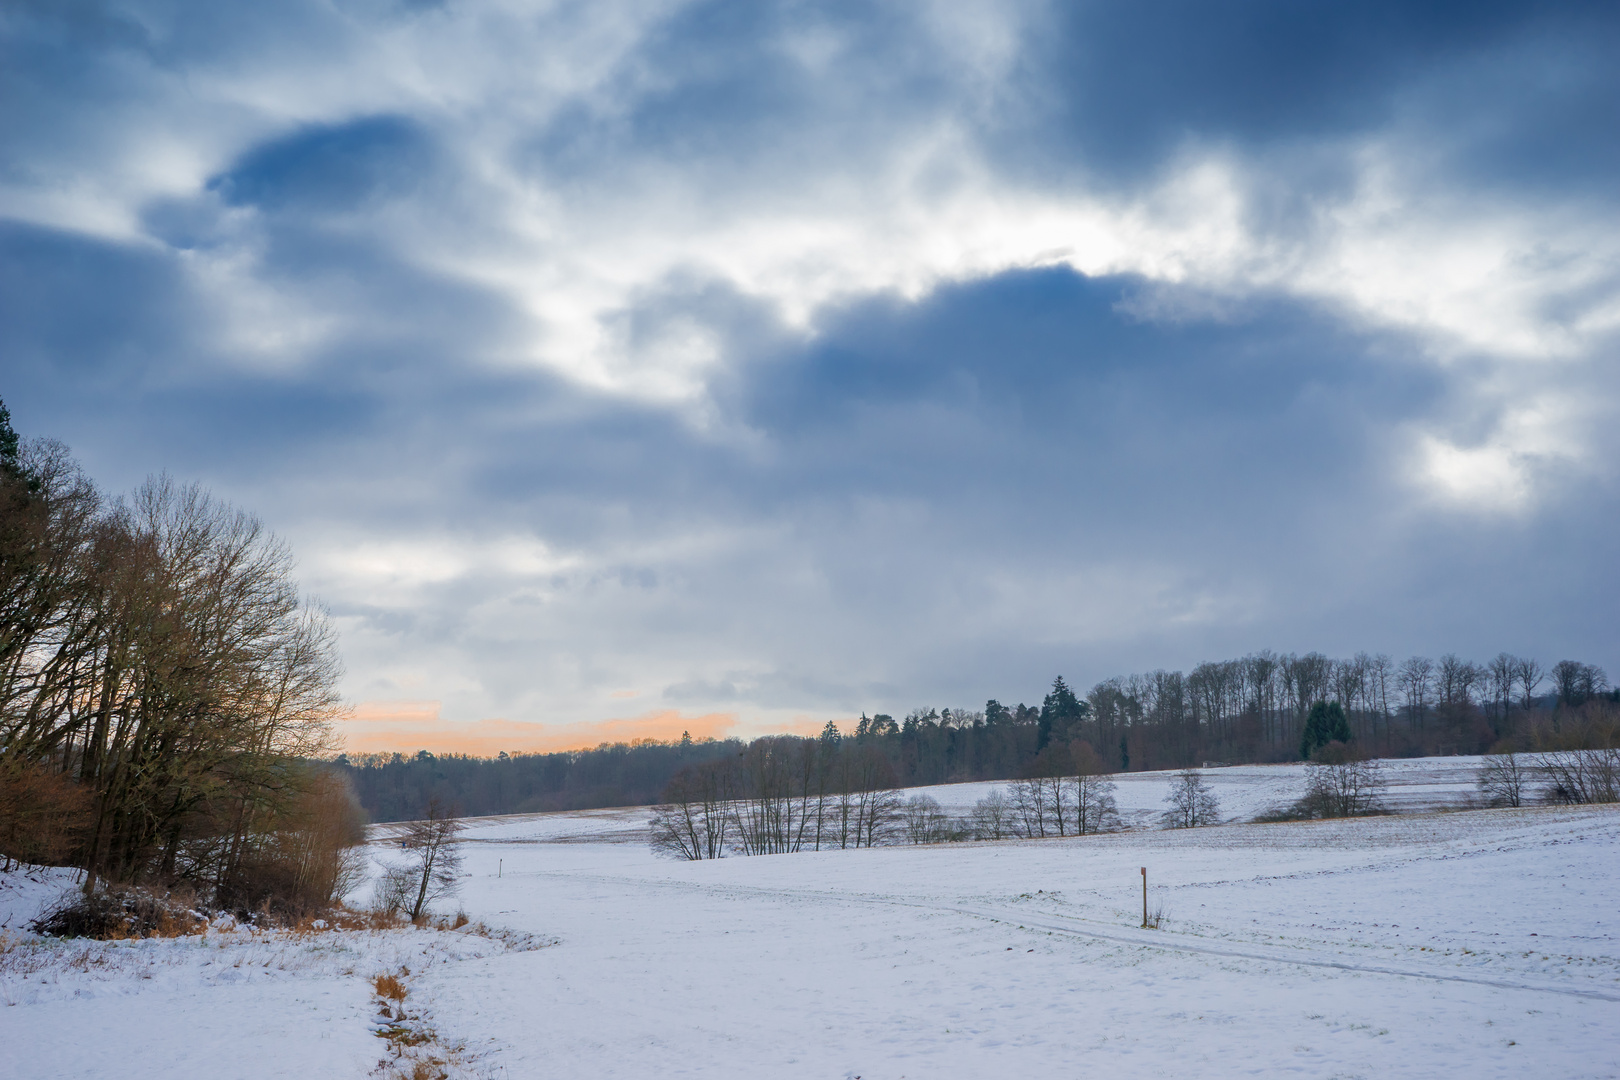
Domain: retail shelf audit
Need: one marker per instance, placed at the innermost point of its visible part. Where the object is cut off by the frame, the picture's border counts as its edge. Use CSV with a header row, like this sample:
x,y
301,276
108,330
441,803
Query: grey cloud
x,y
934,499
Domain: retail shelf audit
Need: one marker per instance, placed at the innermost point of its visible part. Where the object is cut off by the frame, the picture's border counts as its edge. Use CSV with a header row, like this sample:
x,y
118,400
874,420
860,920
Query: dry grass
x,y
389,987
343,918
417,1052
122,915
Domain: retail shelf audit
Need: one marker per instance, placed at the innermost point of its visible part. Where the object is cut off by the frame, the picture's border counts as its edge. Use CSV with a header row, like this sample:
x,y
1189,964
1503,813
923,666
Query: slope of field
x,y
1480,943
1246,791
1243,791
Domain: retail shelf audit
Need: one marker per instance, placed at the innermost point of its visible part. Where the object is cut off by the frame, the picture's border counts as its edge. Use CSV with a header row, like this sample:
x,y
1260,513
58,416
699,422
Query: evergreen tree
x,y
1326,723
1059,712
10,454
8,439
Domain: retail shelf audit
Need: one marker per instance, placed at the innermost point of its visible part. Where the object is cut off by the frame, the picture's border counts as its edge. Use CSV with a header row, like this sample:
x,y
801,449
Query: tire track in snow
x,y
1261,953
1151,939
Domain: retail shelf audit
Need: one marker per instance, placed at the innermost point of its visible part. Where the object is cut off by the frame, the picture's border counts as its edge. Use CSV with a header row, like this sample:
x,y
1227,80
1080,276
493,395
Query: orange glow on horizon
x,y
405,727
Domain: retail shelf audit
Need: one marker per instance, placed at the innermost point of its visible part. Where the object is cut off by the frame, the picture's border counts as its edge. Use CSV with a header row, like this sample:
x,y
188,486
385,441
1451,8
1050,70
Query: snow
x,y
27,891
1246,791
1482,943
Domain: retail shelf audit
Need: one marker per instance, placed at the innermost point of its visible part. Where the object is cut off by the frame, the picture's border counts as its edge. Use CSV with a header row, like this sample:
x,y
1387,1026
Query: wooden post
x,y
500,864
1144,898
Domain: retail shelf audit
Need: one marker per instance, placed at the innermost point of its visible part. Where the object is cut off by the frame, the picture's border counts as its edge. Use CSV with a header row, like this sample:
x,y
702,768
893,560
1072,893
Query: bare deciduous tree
x,y
924,821
1031,808
993,817
1582,775
1092,794
1416,681
1341,784
693,819
156,653
1191,803
1577,682
1502,672
1504,780
1530,675
431,869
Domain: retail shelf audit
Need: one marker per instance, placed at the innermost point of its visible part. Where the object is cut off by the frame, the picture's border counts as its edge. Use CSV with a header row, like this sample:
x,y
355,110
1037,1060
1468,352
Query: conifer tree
x,y
1326,723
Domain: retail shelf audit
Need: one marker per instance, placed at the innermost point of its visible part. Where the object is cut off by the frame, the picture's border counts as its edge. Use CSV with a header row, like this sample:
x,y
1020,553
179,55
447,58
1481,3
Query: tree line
x,y
395,787
165,691
785,794
1257,708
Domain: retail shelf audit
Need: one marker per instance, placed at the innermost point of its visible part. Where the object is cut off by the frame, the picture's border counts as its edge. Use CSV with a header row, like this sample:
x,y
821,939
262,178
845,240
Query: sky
x,y
619,368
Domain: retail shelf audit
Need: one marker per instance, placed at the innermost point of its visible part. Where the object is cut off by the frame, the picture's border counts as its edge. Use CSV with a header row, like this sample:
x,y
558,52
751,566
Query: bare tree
x,y
431,869
1191,803
1530,676
1416,681
1092,795
925,822
767,816
1504,780
1350,682
993,817
1454,682
1341,784
158,654
1502,675
42,815
866,805
1584,775
1031,809
692,822
1380,671
879,810
1577,682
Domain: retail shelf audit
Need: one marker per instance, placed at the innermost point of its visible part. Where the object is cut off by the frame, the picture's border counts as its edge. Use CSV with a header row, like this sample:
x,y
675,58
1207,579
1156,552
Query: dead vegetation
x,y
43,815
108,914
117,915
415,1050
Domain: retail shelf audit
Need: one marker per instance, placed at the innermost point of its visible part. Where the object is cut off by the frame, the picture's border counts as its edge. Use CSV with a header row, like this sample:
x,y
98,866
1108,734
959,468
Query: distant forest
x,y
1238,711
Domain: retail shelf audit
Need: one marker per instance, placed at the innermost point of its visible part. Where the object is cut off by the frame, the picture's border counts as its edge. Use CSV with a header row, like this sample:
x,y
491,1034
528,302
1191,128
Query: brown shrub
x,y
43,815
116,914
389,987
307,856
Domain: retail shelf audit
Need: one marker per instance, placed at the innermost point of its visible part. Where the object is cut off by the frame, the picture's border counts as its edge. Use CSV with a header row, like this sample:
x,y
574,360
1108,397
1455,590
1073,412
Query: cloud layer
x,y
784,362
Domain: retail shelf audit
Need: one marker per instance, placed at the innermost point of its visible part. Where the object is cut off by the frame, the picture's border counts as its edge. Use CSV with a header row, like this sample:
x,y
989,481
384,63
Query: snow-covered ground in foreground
x,y
1478,944
233,1002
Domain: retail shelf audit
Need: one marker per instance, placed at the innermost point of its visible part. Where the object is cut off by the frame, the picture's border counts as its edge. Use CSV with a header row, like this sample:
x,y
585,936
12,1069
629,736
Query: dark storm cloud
x,y
1520,91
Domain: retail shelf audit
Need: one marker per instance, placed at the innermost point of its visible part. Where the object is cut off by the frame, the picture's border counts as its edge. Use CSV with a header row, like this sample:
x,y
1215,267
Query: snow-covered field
x,y
1478,944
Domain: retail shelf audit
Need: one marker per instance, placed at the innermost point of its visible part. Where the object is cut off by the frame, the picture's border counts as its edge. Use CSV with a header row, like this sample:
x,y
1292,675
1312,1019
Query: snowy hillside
x,y
1244,791
1478,944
